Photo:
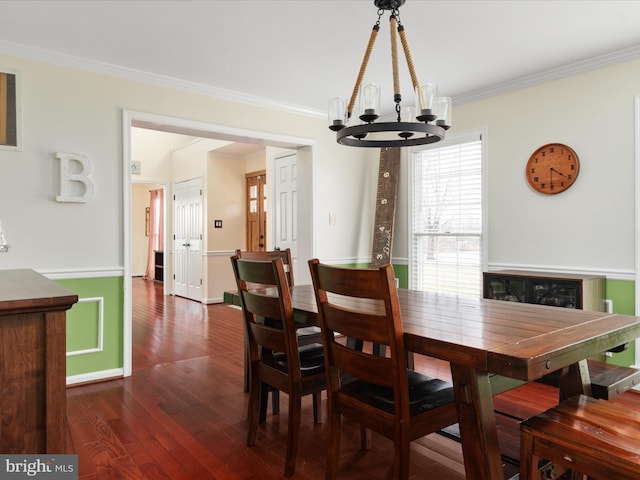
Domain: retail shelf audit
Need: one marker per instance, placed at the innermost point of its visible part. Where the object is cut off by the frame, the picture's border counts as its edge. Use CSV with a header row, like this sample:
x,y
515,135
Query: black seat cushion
x,y
304,331
425,393
311,359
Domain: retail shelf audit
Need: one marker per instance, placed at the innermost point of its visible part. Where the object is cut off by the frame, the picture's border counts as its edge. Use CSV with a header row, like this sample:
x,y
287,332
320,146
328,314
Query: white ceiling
x,y
299,53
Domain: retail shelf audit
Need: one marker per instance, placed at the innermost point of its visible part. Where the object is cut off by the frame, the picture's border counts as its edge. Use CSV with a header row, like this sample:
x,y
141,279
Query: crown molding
x,y
64,60
48,56
594,63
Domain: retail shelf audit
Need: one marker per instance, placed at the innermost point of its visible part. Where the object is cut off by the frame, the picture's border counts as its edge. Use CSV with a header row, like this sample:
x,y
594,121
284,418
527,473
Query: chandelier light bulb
x,y
370,102
424,102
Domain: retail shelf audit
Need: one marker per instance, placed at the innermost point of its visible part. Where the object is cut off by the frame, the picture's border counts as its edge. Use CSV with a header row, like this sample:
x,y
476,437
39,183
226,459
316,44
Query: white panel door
x,y
187,231
286,206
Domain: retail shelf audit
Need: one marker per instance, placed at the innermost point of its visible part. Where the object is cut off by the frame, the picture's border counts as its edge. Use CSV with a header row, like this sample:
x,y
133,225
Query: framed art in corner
x,y
9,110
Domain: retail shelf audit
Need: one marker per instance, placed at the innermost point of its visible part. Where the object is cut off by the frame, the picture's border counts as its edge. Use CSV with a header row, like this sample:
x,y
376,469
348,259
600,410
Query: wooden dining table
x,y
492,346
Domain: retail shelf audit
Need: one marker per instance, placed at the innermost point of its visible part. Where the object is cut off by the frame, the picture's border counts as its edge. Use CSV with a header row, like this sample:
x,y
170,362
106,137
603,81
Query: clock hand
x,y
557,171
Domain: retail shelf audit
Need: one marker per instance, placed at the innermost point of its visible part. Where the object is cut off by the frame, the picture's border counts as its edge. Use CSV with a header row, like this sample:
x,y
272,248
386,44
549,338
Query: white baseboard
x,y
95,376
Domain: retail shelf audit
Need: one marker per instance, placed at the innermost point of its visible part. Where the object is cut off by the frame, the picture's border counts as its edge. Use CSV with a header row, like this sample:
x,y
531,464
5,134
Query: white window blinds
x,y
447,219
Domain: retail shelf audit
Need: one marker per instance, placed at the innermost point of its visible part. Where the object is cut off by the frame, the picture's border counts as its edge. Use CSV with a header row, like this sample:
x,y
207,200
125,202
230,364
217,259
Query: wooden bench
x,y
607,379
586,435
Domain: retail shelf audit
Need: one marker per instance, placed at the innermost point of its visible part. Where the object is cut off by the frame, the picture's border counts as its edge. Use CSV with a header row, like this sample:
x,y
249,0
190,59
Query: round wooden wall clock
x,y
552,168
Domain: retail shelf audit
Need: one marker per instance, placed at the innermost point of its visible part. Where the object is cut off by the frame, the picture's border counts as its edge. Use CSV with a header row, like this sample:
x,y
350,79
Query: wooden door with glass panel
x,y
256,211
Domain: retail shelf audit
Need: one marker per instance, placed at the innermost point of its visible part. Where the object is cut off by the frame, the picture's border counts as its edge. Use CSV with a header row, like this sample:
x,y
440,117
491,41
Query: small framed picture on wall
x,y
9,110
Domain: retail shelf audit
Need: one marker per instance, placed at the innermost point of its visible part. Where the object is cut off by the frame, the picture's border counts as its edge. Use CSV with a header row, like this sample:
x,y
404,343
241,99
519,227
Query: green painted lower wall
x,y
97,297
402,274
622,293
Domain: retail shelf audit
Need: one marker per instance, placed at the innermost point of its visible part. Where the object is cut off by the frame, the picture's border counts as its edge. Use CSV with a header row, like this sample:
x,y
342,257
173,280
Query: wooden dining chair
x,y
306,335
275,357
378,392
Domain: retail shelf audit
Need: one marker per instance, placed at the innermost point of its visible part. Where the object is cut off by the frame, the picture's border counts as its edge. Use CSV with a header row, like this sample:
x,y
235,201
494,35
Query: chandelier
x,y
424,123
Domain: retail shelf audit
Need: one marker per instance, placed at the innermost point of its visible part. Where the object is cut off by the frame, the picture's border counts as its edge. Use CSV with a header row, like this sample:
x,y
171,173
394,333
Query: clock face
x,y
552,168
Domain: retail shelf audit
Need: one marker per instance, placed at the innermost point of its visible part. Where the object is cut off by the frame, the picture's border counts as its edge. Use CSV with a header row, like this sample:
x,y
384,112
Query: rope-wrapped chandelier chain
x,y
363,65
407,55
394,58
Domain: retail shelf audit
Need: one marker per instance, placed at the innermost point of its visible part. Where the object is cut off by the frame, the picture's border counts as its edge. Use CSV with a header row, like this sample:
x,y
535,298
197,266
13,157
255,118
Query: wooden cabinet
x,y
570,291
32,363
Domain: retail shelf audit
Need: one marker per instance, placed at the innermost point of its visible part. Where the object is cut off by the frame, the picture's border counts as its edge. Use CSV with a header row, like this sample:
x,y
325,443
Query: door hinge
x,y
200,281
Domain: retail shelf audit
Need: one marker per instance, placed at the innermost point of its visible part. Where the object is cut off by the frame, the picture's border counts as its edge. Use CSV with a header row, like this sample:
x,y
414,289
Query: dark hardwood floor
x,y
182,413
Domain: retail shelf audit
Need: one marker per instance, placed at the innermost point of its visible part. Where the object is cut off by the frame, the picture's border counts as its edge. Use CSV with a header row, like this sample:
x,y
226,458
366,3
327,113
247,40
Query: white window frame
x,y
454,139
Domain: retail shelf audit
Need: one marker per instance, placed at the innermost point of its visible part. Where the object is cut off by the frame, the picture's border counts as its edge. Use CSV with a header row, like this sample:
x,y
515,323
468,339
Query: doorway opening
x,y
274,143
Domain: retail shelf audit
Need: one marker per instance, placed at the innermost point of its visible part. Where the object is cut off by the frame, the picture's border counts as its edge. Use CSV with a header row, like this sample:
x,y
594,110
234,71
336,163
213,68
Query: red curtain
x,y
156,230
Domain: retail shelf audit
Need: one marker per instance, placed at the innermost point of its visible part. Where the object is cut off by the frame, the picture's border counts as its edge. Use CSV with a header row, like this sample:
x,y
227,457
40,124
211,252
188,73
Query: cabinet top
x,y
550,275
24,290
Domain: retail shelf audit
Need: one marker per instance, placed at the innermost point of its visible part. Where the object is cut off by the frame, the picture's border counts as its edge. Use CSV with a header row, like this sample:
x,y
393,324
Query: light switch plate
x,y
136,168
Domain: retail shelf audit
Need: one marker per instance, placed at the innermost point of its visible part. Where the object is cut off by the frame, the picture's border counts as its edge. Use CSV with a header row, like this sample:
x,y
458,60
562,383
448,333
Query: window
x,y
447,217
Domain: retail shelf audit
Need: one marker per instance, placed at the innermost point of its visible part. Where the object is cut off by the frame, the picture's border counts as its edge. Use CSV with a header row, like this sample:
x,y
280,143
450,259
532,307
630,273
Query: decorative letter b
x,y
75,186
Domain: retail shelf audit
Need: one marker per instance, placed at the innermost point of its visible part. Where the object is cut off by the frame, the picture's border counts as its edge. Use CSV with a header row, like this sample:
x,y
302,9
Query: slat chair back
x,y
285,255
275,358
378,392
264,293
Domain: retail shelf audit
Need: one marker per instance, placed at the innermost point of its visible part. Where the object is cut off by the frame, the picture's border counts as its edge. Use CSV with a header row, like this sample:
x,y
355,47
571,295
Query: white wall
x,y
590,226
70,110
225,200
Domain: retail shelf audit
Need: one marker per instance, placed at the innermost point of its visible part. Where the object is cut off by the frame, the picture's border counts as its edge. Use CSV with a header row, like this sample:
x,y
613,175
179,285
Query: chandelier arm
x,y
363,68
407,56
394,58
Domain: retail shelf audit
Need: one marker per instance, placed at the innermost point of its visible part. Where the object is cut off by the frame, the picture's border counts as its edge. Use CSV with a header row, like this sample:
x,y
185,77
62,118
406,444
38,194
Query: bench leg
x,y
528,461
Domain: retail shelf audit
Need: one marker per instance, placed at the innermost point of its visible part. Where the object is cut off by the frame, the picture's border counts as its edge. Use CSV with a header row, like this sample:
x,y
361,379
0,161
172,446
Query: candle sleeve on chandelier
x,y
4,247
407,114
442,109
424,98
337,114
